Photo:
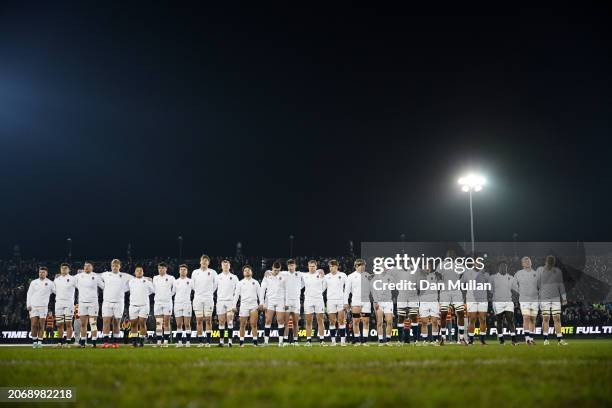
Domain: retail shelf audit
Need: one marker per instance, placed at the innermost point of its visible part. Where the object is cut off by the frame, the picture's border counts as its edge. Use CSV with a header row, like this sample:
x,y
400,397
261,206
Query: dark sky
x,y
137,125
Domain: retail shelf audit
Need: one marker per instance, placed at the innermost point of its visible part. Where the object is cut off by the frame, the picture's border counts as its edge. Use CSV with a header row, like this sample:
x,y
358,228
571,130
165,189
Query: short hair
x,y
525,258
65,264
138,266
183,266
162,265
276,265
359,262
333,262
43,268
88,262
290,261
225,260
115,261
247,267
312,261
204,256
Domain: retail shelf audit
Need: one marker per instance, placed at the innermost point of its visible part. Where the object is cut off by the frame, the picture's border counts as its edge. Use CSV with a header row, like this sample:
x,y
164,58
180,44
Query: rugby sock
x,y
321,339
266,333
308,339
221,334
34,340
179,336
281,329
559,337
142,339
527,335
290,335
482,338
434,335
381,338
343,334
333,332
513,337
356,336
166,338
208,336
201,338
82,342
471,338
230,333
500,337
241,341
545,336
461,332
62,340
415,331
400,332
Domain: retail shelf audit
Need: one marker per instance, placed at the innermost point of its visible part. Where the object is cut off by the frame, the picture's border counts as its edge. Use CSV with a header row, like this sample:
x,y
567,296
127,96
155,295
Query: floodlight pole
x,y
471,221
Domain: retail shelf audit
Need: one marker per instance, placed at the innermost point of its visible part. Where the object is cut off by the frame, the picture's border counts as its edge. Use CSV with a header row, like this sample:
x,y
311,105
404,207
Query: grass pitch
x,y
577,375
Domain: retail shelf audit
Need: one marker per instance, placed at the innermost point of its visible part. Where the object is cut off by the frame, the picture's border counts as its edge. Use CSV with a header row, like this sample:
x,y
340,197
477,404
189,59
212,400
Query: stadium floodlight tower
x,y
471,183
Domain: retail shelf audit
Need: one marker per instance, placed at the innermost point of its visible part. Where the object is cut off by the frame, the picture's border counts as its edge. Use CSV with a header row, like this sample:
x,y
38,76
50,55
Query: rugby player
x,y
552,296
358,285
293,290
503,284
451,297
336,314
247,291
205,281
162,308
383,304
273,294
37,303
408,306
140,288
527,281
113,302
64,288
477,302
314,286
225,302
87,283
183,287
429,306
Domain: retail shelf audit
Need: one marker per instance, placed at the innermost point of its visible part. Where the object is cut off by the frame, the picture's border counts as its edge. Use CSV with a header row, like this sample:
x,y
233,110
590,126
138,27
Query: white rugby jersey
x,y
183,288
293,285
204,282
273,288
115,286
64,288
88,284
39,292
140,289
502,286
448,273
335,286
247,291
382,282
527,281
314,285
551,284
428,294
226,286
164,288
475,295
357,284
406,294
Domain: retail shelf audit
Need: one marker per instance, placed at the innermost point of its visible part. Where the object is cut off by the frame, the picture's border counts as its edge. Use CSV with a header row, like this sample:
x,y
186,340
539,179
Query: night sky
x,y
138,125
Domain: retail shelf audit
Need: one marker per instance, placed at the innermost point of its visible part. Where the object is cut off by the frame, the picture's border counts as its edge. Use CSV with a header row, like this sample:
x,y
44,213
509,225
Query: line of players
x,y
279,295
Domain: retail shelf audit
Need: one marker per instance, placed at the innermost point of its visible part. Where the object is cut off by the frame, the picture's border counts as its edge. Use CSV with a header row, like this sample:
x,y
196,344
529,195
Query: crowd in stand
x,y
15,276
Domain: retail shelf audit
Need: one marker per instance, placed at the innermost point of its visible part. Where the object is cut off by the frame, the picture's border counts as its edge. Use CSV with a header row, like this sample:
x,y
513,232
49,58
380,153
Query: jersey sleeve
x,y
237,294
29,295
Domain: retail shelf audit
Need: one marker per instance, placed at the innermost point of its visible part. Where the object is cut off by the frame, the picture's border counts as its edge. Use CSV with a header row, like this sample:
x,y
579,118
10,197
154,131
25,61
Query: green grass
x,y
577,375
